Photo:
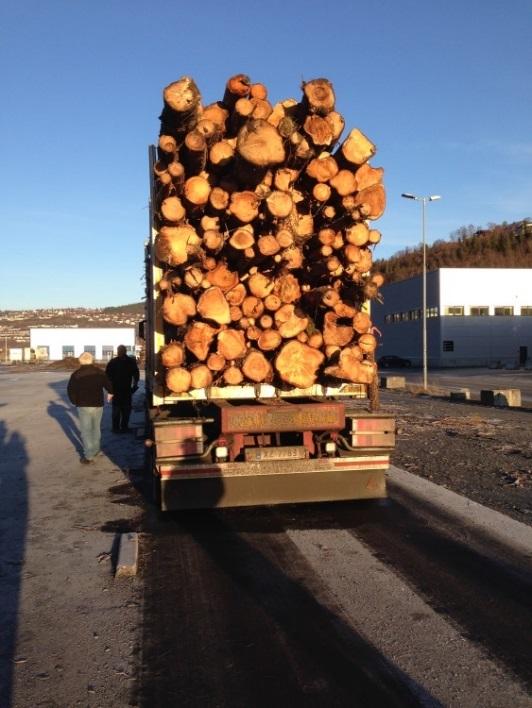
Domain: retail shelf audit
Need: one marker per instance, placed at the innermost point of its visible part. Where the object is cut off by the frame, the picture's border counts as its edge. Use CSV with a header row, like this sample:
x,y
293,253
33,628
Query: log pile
x,y
263,217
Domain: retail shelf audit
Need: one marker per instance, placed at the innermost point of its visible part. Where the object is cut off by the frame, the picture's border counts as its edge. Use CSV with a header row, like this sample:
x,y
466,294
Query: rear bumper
x,y
231,484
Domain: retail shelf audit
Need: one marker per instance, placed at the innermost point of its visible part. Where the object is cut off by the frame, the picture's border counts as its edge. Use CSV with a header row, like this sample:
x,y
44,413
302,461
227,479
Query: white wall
x,y
476,341
494,287
55,338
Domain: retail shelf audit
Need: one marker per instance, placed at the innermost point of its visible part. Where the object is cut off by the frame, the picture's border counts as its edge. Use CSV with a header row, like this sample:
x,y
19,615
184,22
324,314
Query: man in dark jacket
x,y
123,373
85,390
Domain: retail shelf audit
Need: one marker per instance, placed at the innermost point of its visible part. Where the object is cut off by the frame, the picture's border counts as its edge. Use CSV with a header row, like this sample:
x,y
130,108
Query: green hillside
x,y
497,246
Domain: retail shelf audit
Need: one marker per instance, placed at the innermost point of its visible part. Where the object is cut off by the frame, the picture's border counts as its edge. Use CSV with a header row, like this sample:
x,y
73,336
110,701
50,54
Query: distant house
x,y
475,317
56,343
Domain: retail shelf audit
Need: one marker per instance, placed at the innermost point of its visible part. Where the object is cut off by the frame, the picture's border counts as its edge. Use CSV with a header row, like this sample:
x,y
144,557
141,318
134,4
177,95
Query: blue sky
x,y
442,88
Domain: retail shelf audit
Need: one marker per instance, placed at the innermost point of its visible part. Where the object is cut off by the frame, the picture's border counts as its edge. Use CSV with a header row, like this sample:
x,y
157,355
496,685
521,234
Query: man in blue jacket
x,y
85,391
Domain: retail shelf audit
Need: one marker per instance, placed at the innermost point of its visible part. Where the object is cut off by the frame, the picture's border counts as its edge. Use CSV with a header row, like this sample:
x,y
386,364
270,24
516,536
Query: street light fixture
x,y
423,201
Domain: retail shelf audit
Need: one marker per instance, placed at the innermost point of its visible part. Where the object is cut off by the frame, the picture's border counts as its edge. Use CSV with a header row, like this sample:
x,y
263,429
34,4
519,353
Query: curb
x,y
502,528
128,554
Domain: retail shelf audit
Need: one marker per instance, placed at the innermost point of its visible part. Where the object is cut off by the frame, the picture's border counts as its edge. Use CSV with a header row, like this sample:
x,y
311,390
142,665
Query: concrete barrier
x,y
501,397
393,382
462,394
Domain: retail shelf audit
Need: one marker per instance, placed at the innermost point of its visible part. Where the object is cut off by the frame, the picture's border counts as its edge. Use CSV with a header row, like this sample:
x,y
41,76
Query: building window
x,y
107,352
404,316
526,311
414,314
89,348
396,317
448,345
479,311
388,319
455,311
68,350
432,312
505,311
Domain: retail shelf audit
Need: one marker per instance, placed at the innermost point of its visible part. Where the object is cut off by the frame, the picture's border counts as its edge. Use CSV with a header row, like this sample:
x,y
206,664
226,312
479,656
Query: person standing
x,y
123,373
85,391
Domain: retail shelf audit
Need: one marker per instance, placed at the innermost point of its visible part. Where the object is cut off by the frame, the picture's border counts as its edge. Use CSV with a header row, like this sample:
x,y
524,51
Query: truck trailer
x,y
256,444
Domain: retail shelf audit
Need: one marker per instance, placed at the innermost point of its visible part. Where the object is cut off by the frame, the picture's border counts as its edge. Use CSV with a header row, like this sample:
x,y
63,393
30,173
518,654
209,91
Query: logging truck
x,y
261,383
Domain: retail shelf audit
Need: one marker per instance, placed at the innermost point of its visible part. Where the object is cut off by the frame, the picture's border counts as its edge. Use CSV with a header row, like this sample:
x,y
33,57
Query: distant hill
x,y
497,246
136,308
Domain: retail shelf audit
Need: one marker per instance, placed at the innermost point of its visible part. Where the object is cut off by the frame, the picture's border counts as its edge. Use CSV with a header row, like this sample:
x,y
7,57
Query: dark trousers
x,y
121,413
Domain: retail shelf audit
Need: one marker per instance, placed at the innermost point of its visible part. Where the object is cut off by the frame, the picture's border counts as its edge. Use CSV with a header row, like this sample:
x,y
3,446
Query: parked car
x,y
394,362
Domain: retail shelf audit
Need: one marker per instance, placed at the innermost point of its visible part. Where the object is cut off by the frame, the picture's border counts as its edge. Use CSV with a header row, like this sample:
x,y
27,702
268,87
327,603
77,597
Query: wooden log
x,y
315,340
198,339
252,307
193,277
367,343
222,277
200,376
268,245
216,362
213,240
371,201
262,108
298,364
344,182
260,144
285,238
217,113
177,175
174,244
272,303
290,322
181,107
321,192
322,168
374,236
356,148
287,288
236,295
237,86
168,145
197,190
358,234
172,354
336,123
242,111
361,322
212,305
318,96
258,91
221,155
284,178
334,332
233,376
178,379
269,340
242,238
244,206
210,130
218,199
318,131
367,176
253,333
177,308
171,280
193,153
172,210
260,285
236,313
266,321
279,204
231,344
256,367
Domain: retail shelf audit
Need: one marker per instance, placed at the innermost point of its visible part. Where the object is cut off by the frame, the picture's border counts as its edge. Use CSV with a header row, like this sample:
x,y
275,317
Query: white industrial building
x,y
56,343
475,317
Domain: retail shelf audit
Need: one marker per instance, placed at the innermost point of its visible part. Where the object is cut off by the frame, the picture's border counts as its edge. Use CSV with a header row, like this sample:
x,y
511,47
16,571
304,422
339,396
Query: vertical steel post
x,y
423,203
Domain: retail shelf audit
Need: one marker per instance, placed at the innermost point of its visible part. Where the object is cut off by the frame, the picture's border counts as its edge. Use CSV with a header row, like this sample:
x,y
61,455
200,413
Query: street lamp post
x,y
423,201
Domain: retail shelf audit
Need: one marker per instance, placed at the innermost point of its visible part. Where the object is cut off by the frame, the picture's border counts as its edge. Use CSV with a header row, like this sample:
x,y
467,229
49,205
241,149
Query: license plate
x,y
292,452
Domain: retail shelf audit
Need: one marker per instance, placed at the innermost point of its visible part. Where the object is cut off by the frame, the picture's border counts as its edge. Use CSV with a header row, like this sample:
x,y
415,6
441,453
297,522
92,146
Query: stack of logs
x,y
263,234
